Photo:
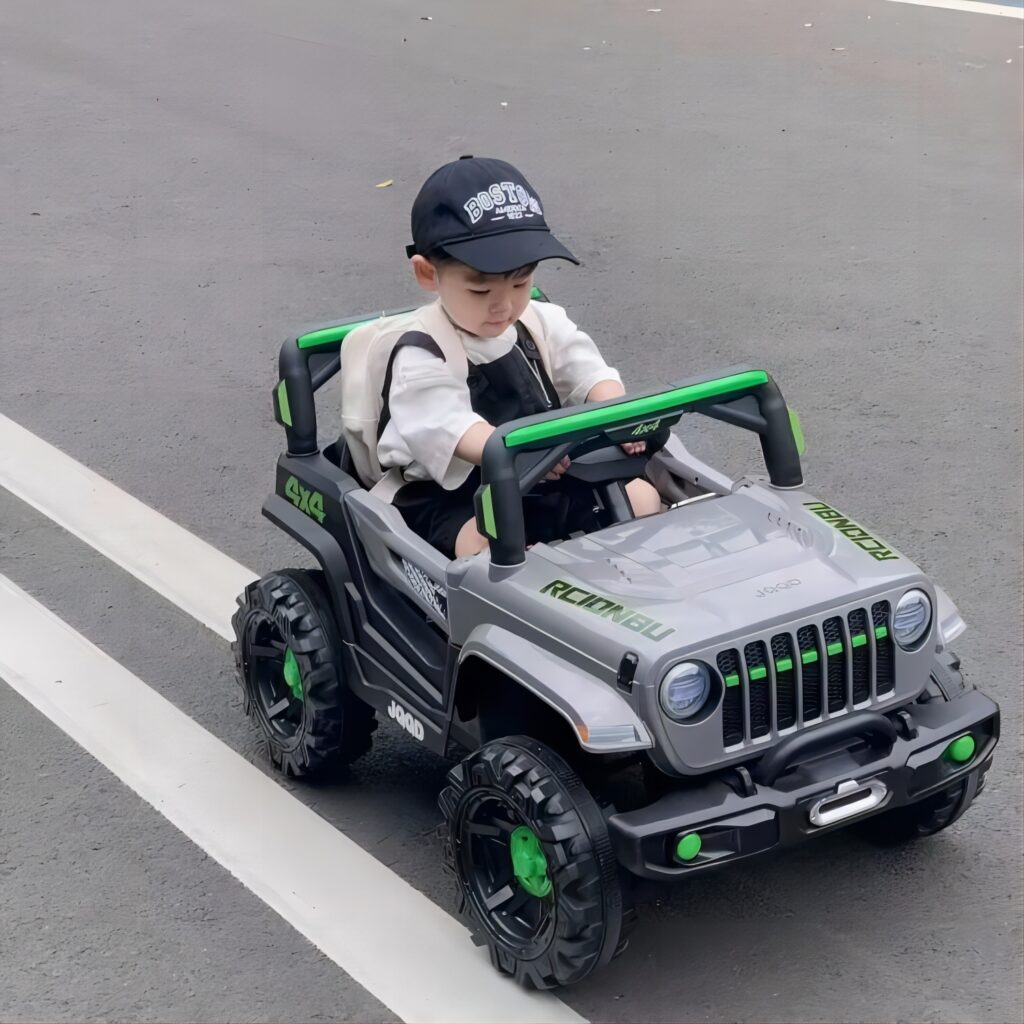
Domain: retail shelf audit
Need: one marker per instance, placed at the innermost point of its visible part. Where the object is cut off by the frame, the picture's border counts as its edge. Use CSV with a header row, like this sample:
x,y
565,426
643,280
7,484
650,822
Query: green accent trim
x,y
282,404
622,413
859,639
732,679
881,632
292,675
798,432
330,335
529,864
758,673
783,664
688,847
535,293
808,657
487,503
961,750
834,649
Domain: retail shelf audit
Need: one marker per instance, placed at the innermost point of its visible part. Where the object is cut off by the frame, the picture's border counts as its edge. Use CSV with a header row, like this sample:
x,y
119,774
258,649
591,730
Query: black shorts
x,y
552,510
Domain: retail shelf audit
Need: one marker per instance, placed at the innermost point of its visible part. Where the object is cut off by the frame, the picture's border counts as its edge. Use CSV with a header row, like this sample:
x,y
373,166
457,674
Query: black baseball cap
x,y
485,214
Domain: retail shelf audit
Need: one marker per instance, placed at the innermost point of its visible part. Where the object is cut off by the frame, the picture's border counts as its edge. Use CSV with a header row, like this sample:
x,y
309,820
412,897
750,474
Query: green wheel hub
x,y
529,863
292,675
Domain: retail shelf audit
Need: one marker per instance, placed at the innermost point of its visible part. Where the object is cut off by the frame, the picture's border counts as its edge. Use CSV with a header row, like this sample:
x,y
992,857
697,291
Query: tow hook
x,y
851,798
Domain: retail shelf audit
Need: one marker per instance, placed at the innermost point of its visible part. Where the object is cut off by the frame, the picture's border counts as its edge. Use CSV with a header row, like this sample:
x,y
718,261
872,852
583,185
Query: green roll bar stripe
x,y
758,673
282,404
490,528
834,649
638,409
732,679
881,632
784,665
809,657
859,639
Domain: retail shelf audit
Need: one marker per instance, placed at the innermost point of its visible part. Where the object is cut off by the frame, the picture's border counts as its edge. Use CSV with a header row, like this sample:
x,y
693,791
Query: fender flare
x,y
599,716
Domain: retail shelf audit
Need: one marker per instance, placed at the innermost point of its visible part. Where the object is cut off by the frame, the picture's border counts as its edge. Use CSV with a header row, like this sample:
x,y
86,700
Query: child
x,y
478,234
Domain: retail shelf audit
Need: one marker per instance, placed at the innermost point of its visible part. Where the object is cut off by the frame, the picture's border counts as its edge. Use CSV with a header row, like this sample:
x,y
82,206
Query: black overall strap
x,y
411,339
529,348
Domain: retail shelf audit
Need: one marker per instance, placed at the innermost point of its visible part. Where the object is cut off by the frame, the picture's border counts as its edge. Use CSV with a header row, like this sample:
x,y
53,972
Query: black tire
x,y
541,941
313,724
918,820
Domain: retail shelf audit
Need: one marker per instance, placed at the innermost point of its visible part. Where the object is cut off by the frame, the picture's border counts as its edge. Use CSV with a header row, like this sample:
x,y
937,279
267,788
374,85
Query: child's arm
x,y
601,392
471,448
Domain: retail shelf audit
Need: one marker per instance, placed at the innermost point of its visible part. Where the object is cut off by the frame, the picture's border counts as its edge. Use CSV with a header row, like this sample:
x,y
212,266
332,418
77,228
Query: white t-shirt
x,y
431,409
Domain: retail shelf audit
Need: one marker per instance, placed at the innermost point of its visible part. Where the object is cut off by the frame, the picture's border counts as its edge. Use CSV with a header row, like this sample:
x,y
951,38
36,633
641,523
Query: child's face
x,y
481,304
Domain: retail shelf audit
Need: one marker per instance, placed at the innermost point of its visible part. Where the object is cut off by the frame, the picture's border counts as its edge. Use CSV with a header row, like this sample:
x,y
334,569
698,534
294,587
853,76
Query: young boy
x,y
478,234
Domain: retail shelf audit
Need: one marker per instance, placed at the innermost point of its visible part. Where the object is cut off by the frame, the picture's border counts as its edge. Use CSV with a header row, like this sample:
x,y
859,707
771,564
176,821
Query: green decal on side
x,y
758,673
809,657
282,404
881,632
851,531
732,679
487,503
623,413
859,639
607,609
784,665
310,502
834,649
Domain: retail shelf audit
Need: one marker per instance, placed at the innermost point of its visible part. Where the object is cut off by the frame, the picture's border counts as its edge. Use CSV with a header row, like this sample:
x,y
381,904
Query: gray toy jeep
x,y
662,697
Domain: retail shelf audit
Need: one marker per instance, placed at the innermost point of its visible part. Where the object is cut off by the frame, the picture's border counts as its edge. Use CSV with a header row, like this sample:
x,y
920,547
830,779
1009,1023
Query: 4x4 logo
x,y
645,428
310,502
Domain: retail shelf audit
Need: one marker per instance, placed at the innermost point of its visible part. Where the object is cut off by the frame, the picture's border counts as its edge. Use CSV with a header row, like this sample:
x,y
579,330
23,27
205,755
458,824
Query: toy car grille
x,y
798,678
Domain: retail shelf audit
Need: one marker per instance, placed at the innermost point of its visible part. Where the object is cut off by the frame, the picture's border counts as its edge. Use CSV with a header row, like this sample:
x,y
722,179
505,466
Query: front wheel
x,y
538,881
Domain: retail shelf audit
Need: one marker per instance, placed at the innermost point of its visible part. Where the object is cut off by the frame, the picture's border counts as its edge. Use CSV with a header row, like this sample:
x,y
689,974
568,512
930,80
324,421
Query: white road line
x,y
391,939
190,573
1004,10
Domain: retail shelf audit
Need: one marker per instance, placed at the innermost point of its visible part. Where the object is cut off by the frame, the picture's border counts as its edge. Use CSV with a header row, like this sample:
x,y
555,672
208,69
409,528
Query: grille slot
x,y
785,680
860,653
810,667
836,660
732,703
885,676
756,658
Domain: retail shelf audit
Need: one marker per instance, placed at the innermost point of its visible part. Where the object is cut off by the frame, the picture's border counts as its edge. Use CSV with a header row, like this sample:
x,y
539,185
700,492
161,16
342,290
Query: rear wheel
x,y
288,662
538,881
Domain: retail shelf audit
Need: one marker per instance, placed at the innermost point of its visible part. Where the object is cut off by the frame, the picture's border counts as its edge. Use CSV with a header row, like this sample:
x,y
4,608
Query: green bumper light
x,y
961,750
688,847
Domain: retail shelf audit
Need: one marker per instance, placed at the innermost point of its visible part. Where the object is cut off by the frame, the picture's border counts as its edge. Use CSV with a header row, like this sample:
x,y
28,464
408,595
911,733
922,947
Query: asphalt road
x,y
181,186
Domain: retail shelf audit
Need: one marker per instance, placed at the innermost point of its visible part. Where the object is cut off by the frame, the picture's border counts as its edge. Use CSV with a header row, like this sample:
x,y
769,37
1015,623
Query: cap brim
x,y
498,254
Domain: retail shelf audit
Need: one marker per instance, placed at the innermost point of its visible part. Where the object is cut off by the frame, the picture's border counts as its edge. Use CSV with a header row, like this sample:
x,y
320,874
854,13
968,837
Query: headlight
x,y
912,618
685,689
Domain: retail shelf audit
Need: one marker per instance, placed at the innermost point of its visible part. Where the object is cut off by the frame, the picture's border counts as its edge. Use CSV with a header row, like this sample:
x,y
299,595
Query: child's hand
x,y
634,447
558,469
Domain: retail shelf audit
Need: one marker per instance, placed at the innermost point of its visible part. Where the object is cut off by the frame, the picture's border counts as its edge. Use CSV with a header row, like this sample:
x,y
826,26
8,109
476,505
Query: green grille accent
x,y
636,409
487,502
859,639
808,657
758,673
784,665
330,335
732,679
834,648
282,404
881,632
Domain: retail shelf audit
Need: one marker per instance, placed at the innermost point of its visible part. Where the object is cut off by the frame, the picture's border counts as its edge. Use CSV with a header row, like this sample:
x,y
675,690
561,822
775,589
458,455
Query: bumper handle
x,y
869,725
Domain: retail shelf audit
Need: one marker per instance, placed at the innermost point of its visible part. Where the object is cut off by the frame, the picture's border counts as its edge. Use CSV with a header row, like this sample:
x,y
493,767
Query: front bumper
x,y
736,820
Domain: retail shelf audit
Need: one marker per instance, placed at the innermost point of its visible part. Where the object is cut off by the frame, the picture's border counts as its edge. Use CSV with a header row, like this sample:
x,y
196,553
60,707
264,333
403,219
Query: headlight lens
x,y
912,618
685,689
